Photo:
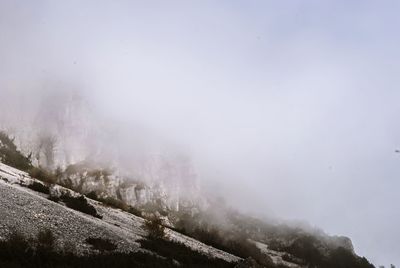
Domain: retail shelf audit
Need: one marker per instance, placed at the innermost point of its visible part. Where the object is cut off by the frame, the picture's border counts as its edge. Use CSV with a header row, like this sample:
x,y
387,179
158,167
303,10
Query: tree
x,y
46,150
10,155
155,228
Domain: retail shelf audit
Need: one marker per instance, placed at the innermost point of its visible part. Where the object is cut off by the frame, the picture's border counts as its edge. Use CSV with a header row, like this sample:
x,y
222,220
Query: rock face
x,y
63,131
58,130
66,127
86,178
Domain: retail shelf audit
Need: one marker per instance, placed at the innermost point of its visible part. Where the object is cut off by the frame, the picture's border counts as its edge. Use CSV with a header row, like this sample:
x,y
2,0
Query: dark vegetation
x,y
182,254
10,155
42,175
101,244
155,228
54,198
306,249
39,187
239,246
80,204
236,243
45,240
109,201
114,203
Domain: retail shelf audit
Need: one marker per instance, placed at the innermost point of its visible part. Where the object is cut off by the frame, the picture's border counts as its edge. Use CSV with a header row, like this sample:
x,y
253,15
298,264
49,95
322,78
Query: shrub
x,y
39,187
10,155
15,245
109,201
45,239
235,244
154,228
306,248
101,244
342,258
54,198
92,195
42,175
181,253
134,211
115,203
80,204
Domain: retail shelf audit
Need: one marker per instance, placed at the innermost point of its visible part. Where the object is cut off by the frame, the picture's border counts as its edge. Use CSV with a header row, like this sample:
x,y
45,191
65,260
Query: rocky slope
x,y
28,211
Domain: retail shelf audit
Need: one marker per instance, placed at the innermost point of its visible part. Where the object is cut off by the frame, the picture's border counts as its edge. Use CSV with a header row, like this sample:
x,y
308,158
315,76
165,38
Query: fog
x,y
288,110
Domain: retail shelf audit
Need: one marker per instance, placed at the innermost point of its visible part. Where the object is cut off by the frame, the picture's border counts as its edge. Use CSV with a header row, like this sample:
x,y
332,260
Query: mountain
x,y
90,215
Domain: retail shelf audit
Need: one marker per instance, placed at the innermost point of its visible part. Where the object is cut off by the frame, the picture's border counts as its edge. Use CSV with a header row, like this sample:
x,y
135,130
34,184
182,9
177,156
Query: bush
x,y
101,244
181,253
16,246
54,198
235,244
92,195
80,204
39,187
306,248
115,203
45,239
109,201
154,228
134,211
42,175
10,155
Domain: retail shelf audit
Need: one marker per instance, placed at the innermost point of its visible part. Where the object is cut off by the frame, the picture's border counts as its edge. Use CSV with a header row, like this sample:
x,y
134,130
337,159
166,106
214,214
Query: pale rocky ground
x,y
276,256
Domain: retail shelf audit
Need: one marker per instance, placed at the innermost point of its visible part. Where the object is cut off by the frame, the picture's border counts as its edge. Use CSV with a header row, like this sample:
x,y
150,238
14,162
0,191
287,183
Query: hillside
x,y
87,216
27,212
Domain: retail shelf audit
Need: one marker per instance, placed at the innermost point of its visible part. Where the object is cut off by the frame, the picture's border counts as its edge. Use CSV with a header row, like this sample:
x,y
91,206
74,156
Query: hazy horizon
x,y
290,110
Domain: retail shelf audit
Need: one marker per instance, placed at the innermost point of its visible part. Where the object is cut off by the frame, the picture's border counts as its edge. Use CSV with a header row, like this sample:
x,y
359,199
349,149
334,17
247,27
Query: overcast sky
x,y
293,106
